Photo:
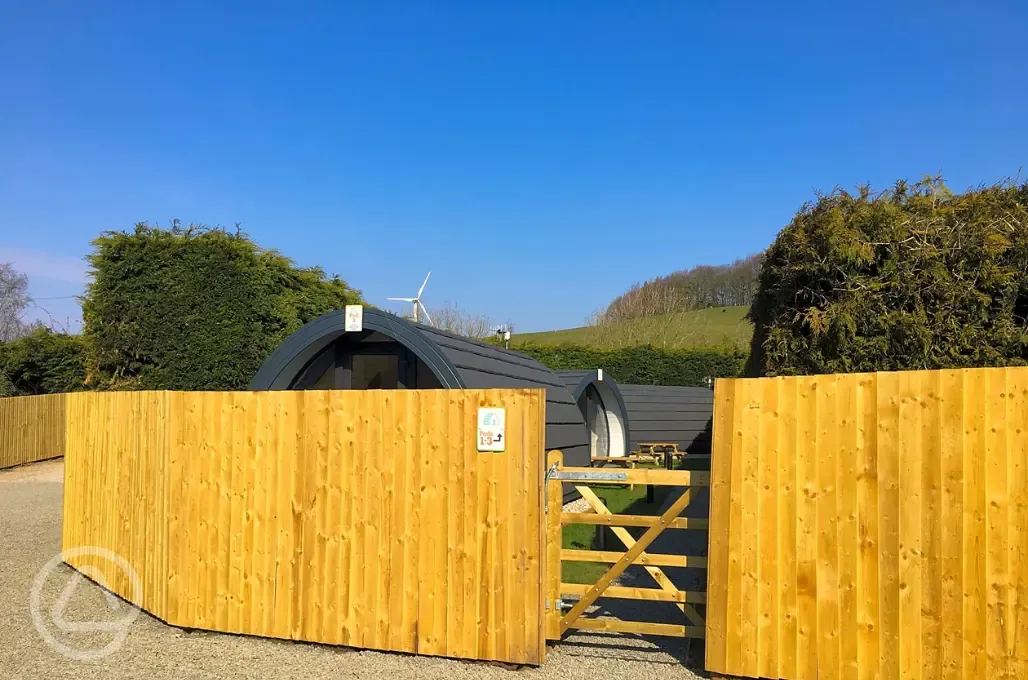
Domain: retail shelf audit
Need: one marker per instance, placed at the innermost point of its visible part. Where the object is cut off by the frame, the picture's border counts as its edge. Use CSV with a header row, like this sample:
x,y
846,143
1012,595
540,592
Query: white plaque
x,y
354,318
491,433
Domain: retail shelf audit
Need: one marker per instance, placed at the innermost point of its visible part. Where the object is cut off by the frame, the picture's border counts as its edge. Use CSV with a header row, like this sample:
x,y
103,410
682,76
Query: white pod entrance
x,y
603,408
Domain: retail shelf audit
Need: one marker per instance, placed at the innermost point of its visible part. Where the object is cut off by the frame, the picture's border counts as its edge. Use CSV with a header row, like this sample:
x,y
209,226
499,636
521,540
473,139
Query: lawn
x,y
697,328
621,500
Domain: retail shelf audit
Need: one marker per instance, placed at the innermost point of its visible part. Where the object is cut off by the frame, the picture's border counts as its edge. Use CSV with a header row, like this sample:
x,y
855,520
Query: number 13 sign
x,y
491,435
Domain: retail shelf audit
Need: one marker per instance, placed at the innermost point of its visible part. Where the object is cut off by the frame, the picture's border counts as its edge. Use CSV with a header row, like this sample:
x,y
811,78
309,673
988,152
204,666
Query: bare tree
x,y
456,320
14,299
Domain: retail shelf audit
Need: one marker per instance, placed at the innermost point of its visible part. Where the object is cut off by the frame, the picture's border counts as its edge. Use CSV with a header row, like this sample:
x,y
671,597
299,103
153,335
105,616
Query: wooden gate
x,y
559,621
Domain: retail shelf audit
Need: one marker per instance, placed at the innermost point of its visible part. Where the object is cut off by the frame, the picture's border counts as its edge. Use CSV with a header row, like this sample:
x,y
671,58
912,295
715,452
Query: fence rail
x,y
31,429
870,526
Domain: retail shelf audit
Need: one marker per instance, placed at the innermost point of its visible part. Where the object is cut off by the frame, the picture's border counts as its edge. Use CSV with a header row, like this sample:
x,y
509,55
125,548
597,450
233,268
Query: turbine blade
x,y
422,289
424,310
401,299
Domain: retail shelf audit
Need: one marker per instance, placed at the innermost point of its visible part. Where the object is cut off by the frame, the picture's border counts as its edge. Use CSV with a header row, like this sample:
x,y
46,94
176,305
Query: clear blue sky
x,y
509,147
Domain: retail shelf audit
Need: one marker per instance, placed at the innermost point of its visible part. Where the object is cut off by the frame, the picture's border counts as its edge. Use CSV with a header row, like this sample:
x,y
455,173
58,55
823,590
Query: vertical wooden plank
x,y
412,542
255,504
889,453
736,658
468,500
456,559
1017,471
806,532
537,524
432,548
331,468
487,492
517,539
378,595
283,453
749,549
996,524
910,525
868,648
553,545
850,421
297,511
268,470
396,441
315,502
951,423
237,454
975,394
931,526
353,525
718,616
502,587
788,486
767,540
828,528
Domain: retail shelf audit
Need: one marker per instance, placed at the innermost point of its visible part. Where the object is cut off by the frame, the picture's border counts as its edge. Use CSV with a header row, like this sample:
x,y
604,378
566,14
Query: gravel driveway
x,y
30,528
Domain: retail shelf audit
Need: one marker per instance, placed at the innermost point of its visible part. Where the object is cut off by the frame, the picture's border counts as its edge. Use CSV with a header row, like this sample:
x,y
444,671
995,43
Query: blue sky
x,y
509,147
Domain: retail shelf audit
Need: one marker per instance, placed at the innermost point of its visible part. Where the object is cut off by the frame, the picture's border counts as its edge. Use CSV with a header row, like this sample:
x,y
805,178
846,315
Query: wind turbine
x,y
416,301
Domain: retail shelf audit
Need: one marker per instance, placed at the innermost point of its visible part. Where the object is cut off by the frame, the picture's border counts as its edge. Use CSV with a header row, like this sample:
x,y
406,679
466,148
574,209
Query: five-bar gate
x,y
559,621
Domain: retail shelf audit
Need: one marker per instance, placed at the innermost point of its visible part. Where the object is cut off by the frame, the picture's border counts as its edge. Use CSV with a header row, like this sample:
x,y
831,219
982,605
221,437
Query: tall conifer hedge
x,y
916,277
194,308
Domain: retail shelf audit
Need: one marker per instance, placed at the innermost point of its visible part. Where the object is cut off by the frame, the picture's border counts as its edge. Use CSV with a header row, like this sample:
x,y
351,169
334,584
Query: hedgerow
x,y
916,277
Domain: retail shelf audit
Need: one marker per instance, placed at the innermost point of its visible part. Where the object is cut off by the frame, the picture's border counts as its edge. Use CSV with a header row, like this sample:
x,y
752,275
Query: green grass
x,y
697,328
620,500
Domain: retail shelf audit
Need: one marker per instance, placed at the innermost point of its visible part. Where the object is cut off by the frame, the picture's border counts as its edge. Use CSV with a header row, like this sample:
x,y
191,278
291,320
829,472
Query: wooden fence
x,y
870,526
31,429
359,518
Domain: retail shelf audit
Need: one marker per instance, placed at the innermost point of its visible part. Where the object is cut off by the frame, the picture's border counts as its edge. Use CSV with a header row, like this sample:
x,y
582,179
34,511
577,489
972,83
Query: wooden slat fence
x,y
870,526
366,519
31,429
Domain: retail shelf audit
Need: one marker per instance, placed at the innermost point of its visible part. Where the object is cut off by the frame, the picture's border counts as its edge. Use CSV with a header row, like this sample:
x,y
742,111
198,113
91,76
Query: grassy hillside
x,y
697,328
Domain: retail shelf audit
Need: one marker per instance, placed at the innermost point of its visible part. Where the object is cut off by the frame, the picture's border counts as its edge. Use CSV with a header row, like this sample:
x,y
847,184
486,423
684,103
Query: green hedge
x,y
644,365
194,308
42,362
912,278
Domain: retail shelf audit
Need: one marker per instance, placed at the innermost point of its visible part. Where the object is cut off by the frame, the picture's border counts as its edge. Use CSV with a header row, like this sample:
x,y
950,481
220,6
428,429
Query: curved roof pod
x,y
604,411
678,415
453,361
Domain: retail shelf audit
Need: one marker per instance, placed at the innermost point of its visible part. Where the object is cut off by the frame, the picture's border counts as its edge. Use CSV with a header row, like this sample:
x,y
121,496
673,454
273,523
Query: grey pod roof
x,y
680,415
457,362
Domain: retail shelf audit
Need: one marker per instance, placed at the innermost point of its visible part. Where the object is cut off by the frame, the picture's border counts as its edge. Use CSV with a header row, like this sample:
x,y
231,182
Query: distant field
x,y
698,328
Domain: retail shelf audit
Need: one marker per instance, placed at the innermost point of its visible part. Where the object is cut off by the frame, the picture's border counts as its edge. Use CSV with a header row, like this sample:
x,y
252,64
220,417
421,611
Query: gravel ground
x,y
30,527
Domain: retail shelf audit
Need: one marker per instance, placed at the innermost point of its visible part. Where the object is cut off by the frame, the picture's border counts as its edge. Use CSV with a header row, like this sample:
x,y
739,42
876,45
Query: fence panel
x,y
116,492
367,519
31,429
870,526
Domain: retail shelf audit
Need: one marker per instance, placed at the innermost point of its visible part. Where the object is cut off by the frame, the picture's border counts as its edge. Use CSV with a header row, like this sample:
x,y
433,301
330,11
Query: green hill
x,y
696,328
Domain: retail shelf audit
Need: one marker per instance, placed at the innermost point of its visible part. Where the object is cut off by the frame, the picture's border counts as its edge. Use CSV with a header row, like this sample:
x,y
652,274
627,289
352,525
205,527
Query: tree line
x,y
700,287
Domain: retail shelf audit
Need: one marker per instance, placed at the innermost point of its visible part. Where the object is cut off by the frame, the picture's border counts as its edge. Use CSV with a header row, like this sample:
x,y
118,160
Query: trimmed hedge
x,y
912,278
42,362
194,308
644,365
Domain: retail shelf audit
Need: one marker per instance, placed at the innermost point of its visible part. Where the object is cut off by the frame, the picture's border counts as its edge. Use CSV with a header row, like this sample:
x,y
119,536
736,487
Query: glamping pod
x,y
670,415
603,409
394,353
